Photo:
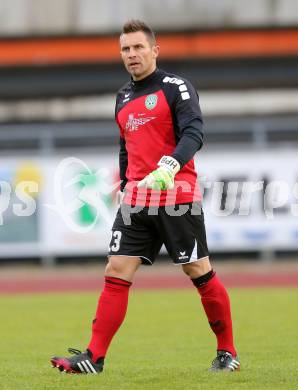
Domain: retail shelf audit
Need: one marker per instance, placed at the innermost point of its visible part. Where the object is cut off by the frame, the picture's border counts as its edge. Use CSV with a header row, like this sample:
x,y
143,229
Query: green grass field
x,y
165,342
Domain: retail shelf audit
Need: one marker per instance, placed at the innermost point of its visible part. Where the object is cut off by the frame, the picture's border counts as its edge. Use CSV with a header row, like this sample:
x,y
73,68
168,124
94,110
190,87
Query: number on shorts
x,y
117,237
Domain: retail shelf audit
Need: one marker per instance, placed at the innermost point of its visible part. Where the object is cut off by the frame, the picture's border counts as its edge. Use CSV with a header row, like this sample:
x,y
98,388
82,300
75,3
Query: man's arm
x,y
123,161
188,123
190,142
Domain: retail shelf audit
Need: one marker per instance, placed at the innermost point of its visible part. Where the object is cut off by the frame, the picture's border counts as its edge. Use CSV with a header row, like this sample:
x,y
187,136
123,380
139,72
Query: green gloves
x,y
163,177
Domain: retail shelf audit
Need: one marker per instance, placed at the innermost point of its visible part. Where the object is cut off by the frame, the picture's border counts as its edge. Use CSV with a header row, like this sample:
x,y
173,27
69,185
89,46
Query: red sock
x,y
216,304
110,313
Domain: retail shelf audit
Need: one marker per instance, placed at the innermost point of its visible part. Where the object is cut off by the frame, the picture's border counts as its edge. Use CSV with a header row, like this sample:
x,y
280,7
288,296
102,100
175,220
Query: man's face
x,y
138,54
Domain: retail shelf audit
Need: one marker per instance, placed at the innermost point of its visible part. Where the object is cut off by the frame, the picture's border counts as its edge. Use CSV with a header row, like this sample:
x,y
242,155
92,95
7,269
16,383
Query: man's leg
x,y
216,303
112,303
110,313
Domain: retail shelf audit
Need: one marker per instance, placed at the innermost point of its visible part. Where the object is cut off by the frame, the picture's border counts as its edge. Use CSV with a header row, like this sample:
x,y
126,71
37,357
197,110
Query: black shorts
x,y
143,233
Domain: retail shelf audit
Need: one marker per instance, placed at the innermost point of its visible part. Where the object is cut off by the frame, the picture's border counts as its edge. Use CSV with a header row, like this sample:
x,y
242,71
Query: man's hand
x,y
163,177
119,197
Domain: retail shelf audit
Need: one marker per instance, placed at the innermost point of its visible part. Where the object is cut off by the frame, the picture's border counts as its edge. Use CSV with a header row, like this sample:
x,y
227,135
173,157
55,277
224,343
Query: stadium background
x,y
59,71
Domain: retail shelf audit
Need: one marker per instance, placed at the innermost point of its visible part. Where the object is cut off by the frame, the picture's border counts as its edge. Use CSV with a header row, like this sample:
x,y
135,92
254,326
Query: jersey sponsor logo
x,y
133,123
151,101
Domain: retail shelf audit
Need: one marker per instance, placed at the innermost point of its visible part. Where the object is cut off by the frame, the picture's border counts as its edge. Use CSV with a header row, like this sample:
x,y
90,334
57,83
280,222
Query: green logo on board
x,y
151,101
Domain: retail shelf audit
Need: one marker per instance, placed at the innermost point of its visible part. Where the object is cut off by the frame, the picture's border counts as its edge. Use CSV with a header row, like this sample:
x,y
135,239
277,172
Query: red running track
x,y
50,284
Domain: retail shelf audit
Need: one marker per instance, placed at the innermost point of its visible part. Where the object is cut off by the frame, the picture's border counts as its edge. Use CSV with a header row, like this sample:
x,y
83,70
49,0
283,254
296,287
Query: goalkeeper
x,y
160,124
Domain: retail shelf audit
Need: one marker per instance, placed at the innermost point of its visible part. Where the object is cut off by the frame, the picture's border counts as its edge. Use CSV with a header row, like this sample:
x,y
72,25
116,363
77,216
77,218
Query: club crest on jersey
x,y
133,123
151,101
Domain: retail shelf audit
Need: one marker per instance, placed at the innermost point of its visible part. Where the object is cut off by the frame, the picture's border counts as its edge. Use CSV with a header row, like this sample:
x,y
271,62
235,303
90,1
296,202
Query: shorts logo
x,y
182,256
151,101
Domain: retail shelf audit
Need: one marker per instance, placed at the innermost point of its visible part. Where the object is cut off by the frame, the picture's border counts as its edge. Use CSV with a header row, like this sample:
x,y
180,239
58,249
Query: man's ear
x,y
156,51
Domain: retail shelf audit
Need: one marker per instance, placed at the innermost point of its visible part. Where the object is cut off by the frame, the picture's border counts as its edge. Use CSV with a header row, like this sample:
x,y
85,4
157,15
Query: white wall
x,y
67,16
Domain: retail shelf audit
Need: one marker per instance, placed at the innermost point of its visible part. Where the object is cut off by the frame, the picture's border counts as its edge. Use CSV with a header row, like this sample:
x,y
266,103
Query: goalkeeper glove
x,y
163,177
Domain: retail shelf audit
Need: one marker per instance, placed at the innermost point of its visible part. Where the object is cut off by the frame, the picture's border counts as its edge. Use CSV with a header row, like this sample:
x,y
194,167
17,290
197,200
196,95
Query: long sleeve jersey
x,y
158,115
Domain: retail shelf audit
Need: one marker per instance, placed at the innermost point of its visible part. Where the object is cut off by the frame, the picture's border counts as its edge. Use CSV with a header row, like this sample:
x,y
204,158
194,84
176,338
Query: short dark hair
x,y
135,25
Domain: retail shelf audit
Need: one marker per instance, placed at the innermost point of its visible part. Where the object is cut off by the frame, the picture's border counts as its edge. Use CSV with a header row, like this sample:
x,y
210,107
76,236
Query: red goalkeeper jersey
x,y
159,115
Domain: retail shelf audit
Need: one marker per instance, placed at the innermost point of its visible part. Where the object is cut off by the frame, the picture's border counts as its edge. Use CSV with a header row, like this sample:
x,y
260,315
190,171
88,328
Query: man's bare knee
x,y
197,268
123,267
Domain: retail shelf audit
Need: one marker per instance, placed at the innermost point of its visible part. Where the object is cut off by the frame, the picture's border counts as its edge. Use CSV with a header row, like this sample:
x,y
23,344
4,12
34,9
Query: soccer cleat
x,y
224,361
81,363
